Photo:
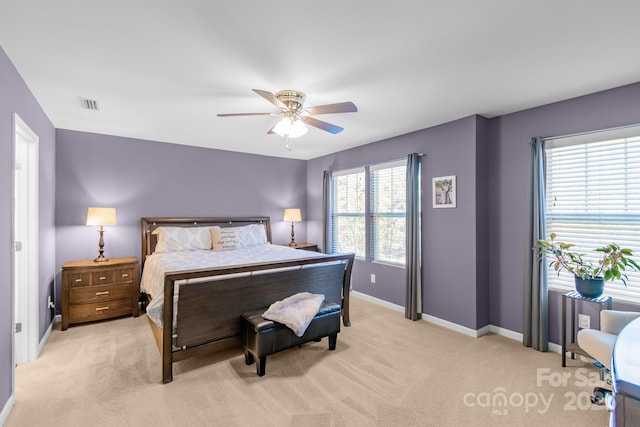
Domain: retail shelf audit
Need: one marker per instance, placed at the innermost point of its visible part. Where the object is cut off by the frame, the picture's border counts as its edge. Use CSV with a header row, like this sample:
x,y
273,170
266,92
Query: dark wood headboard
x,y
149,239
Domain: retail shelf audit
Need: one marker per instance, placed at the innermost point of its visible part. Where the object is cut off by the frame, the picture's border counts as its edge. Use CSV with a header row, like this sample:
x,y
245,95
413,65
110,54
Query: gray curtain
x,y
327,180
413,303
536,295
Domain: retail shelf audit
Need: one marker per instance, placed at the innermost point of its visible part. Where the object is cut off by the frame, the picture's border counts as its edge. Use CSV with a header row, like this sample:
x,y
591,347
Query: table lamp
x,y
101,217
292,215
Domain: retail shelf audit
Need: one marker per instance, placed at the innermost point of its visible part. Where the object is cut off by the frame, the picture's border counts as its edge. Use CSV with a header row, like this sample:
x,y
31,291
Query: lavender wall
x,y
449,235
15,97
510,177
492,161
144,178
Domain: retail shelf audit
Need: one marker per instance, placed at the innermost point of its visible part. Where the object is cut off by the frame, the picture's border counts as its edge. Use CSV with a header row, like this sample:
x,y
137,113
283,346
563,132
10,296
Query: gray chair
x,y
599,344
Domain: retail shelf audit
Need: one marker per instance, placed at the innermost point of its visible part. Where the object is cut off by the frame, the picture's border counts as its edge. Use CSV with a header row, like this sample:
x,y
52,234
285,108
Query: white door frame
x,y
25,266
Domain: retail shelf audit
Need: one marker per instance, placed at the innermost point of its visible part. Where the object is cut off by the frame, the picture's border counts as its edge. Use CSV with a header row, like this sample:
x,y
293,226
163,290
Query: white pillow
x,y
252,235
225,239
176,239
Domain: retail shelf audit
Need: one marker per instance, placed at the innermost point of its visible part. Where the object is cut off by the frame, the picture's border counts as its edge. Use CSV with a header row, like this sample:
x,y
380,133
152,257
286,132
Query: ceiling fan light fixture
x,y
290,127
296,118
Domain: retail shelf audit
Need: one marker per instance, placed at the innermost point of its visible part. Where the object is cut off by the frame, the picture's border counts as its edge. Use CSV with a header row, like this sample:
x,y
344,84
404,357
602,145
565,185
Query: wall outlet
x,y
584,321
373,278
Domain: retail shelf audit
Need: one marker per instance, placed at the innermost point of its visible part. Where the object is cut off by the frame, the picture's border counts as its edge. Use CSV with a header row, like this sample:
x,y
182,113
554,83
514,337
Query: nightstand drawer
x,y
102,277
99,310
123,275
99,293
79,279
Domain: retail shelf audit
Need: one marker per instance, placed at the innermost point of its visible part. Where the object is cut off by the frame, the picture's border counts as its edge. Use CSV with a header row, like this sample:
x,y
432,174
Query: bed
x,y
202,291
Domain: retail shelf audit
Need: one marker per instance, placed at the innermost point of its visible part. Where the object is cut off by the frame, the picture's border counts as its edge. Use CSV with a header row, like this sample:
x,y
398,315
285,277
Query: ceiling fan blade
x,y
244,114
342,107
323,125
270,97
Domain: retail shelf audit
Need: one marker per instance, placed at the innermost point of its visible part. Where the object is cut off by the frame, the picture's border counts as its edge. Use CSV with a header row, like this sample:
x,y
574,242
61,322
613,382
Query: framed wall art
x,y
444,192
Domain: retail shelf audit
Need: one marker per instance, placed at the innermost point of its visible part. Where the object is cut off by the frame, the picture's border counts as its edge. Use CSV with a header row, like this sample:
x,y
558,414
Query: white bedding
x,y
158,264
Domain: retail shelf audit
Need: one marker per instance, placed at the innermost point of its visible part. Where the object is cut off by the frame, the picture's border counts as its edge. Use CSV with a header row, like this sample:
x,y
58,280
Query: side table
x,y
313,247
99,290
603,301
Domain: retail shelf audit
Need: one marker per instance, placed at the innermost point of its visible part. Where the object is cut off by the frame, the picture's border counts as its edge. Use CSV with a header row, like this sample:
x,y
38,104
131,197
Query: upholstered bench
x,y
261,337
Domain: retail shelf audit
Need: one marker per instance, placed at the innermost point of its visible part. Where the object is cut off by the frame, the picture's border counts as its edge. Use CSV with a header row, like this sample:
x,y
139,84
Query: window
x,y
593,198
348,212
388,187
369,212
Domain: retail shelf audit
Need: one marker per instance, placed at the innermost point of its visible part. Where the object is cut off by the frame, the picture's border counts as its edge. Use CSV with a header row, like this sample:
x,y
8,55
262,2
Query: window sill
x,y
389,264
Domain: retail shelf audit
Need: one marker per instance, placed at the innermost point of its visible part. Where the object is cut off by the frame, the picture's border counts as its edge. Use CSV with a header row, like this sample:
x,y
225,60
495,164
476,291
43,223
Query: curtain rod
x,y
589,132
379,163
392,160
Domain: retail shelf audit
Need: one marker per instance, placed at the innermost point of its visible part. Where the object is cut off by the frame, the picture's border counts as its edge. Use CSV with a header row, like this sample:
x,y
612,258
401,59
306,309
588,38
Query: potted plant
x,y
589,277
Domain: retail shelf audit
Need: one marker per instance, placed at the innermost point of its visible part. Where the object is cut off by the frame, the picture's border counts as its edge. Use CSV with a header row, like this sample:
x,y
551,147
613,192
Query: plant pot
x,y
590,288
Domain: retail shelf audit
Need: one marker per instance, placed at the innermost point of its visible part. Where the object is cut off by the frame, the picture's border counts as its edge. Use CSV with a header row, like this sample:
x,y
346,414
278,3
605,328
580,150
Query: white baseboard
x,y
455,327
517,336
7,409
508,333
475,333
45,338
392,306
556,348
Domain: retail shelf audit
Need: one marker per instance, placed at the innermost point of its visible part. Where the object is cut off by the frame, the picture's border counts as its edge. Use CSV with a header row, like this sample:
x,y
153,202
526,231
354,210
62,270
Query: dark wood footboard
x,y
209,311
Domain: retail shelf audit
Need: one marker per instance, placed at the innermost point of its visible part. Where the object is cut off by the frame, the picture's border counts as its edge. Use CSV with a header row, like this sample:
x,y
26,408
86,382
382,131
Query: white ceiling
x,y
161,69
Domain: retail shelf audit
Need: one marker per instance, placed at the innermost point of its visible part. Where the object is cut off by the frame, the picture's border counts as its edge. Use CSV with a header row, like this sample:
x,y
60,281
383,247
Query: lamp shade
x,y
292,215
291,127
101,216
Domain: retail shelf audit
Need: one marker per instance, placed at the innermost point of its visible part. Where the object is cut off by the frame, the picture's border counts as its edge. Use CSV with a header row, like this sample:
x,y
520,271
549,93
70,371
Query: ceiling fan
x,y
290,103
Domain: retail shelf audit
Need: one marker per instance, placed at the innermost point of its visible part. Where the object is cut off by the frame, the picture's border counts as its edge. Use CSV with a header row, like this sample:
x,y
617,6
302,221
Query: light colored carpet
x,y
386,371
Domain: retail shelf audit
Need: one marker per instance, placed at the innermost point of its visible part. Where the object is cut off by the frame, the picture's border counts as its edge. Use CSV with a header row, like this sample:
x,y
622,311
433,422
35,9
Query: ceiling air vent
x,y
90,104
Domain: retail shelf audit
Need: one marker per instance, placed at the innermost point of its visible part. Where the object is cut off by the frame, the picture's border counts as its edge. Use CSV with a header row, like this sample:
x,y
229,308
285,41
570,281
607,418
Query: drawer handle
x,y
78,280
102,293
102,277
125,275
102,308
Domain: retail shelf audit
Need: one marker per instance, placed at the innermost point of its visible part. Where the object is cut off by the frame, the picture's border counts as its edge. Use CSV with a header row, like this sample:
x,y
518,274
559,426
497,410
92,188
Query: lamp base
x,y
293,242
101,257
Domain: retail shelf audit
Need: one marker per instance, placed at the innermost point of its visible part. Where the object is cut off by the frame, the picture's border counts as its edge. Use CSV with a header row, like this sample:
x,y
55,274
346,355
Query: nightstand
x,y
99,290
306,247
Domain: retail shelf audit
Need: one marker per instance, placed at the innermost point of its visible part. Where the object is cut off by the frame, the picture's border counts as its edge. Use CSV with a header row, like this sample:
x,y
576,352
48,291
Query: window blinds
x,y
593,198
348,214
388,206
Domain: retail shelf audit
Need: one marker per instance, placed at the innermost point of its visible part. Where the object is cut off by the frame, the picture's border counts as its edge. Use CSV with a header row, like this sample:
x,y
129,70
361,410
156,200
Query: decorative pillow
x,y
176,239
225,239
252,235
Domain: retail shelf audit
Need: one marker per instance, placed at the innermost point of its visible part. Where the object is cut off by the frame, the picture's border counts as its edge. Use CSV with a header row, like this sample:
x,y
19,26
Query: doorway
x,y
25,232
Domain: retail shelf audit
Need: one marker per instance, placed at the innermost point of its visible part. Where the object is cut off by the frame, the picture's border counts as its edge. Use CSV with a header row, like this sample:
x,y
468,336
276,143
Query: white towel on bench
x,y
296,311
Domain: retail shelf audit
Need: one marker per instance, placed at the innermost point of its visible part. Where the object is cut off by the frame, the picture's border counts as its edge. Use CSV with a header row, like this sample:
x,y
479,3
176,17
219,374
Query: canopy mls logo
x,y
500,401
